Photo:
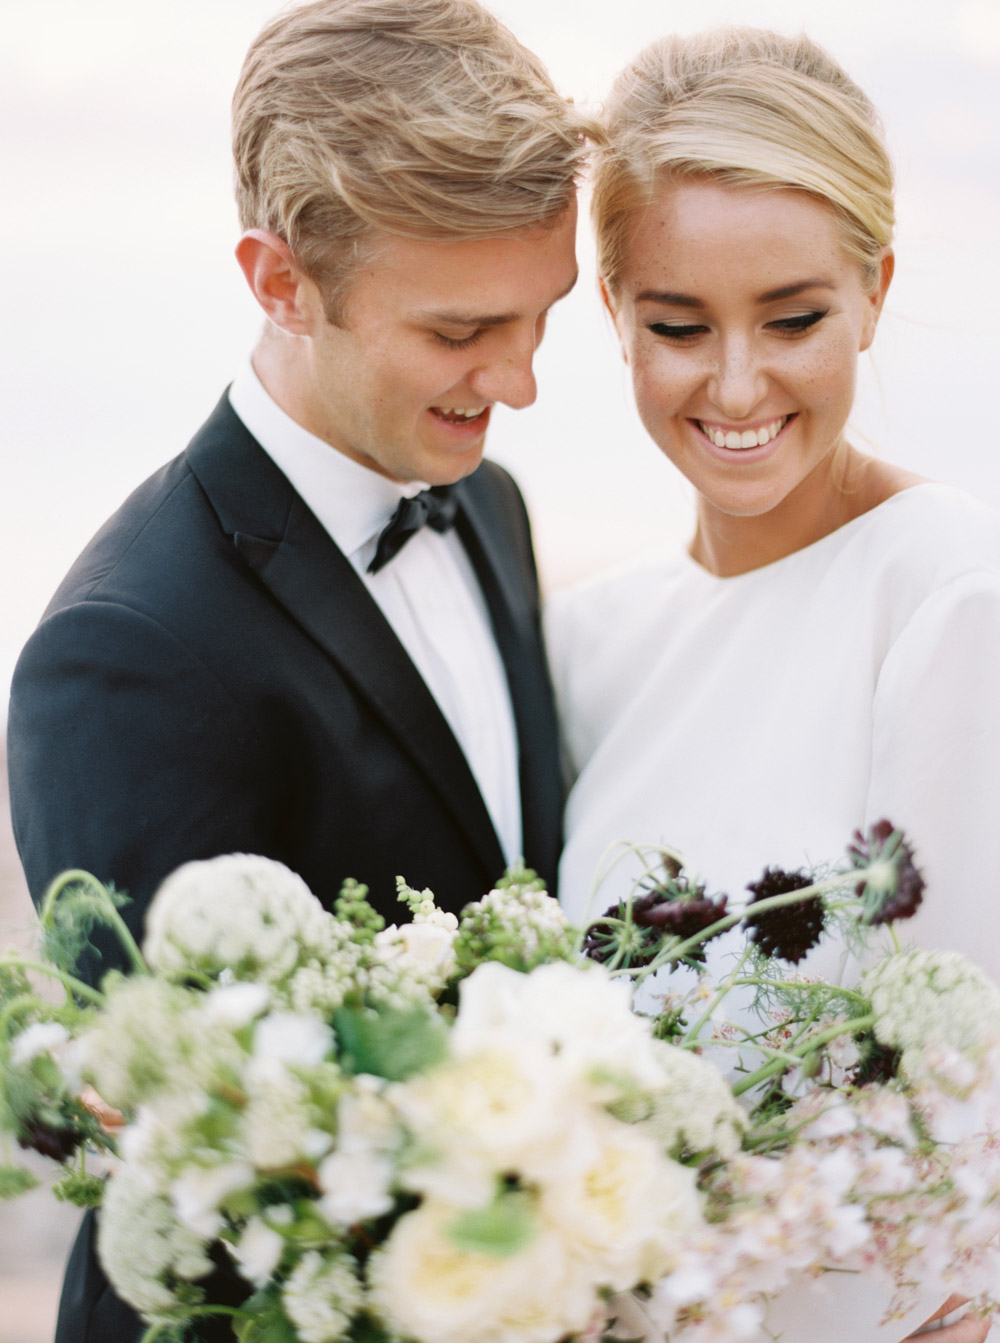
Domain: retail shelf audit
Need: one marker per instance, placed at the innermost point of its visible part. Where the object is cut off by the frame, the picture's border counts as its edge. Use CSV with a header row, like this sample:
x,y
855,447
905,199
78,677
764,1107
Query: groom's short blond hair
x,y
420,118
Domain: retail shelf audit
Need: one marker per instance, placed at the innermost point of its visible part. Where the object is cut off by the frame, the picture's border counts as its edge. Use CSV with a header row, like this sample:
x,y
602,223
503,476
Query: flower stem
x,y
783,1059
78,877
73,984
690,1036
156,1330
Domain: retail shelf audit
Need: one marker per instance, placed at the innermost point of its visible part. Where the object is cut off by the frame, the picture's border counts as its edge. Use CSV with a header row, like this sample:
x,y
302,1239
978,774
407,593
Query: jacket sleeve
x,y
126,758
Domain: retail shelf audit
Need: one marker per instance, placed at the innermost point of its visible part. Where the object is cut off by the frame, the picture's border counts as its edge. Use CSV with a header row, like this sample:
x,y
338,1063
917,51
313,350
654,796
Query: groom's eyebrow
x,y
458,318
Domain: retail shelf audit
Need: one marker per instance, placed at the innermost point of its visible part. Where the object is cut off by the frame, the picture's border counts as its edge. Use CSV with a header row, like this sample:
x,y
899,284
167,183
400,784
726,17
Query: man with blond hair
x,y
266,650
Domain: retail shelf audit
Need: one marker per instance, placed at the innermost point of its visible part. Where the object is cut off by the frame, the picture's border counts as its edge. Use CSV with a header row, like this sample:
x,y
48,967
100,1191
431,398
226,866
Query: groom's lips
x,y
465,423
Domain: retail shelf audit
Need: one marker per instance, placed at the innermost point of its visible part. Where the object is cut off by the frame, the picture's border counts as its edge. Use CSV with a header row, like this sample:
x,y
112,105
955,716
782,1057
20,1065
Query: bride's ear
x,y
614,314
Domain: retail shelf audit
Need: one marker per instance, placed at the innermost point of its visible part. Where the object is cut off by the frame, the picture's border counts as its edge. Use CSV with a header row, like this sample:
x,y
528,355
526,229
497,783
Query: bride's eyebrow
x,y
665,296
771,296
792,290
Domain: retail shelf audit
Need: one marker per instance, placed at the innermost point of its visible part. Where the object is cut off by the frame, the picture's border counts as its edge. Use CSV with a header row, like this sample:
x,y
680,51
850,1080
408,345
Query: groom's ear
x,y
613,312
276,280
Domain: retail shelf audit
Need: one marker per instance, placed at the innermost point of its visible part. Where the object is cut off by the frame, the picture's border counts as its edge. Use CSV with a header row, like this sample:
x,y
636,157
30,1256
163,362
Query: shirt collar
x,y
352,502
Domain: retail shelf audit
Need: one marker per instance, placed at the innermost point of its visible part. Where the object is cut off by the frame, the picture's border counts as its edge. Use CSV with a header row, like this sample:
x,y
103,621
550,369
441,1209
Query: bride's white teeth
x,y
462,414
749,438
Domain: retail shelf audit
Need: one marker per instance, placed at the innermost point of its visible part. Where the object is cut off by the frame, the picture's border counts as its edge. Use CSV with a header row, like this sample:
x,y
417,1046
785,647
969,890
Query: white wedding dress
x,y
760,719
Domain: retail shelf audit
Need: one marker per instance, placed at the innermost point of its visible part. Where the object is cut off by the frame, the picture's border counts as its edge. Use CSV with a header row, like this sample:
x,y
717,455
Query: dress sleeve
x,y
936,762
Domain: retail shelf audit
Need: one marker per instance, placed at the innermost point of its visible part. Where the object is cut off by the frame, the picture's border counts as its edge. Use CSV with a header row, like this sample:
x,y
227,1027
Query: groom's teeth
x,y
749,438
462,414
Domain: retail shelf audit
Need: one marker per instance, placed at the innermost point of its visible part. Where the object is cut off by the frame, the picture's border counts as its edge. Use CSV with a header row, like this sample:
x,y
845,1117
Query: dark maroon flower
x,y
675,908
58,1144
629,942
894,887
877,1062
789,931
685,913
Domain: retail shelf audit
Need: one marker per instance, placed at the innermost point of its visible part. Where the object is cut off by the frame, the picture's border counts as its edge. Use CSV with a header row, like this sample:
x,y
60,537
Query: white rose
x,y
427,948
431,1291
475,1117
629,1212
582,1015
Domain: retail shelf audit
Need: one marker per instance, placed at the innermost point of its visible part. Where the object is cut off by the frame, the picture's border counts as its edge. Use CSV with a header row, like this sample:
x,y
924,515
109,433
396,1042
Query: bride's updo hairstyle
x,y
745,107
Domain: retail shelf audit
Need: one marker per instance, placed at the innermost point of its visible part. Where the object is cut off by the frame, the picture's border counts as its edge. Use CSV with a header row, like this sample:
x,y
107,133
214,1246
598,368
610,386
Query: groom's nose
x,y
509,375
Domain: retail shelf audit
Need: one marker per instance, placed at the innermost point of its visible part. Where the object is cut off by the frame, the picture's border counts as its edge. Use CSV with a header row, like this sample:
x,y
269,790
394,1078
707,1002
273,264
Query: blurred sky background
x,y
124,315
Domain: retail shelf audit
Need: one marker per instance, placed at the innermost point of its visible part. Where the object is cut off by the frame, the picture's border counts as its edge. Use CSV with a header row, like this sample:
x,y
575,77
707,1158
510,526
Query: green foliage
x,y
15,1181
81,1189
503,1228
70,913
364,1329
389,1043
353,907
269,1324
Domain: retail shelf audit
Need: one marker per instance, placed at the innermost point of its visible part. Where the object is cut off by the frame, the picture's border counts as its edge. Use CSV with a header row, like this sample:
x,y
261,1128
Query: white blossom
x,y
927,998
321,1295
151,1259
258,1251
199,1190
41,1037
240,912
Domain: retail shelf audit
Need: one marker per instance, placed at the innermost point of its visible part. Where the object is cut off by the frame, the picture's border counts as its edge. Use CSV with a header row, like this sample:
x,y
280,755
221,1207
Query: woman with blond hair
x,y
826,651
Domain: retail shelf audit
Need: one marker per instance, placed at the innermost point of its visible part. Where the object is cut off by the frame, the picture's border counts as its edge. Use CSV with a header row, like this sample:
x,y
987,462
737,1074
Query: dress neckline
x,y
853,524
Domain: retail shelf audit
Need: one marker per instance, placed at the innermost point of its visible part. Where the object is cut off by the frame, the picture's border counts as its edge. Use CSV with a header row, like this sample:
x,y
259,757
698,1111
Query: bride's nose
x,y
738,380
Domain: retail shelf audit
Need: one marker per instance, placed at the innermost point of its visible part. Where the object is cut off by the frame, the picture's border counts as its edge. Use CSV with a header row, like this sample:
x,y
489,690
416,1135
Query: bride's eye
x,y
800,322
676,330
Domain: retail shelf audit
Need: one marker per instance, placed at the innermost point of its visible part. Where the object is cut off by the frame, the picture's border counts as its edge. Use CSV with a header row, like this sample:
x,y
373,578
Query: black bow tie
x,y
435,508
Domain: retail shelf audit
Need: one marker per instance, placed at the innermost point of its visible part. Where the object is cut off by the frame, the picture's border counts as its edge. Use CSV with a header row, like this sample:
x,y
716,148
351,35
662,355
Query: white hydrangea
x,y
240,912
150,1259
146,1040
924,999
694,1107
321,1296
278,1125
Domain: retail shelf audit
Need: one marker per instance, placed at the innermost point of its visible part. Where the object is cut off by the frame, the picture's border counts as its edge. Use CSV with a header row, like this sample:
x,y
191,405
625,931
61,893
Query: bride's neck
x,y
841,488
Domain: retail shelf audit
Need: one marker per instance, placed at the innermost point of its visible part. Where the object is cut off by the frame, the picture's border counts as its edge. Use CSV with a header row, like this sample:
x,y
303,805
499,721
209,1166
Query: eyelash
x,y
451,344
785,325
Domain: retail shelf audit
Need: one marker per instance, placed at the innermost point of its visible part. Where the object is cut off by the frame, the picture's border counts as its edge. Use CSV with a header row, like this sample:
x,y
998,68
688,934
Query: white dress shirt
x,y
428,593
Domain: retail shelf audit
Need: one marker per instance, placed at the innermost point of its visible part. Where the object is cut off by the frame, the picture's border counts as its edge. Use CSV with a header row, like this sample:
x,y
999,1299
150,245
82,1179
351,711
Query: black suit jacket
x,y
213,677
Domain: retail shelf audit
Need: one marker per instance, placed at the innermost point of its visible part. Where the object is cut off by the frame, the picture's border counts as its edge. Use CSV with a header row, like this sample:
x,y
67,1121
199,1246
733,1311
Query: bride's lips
x,y
752,443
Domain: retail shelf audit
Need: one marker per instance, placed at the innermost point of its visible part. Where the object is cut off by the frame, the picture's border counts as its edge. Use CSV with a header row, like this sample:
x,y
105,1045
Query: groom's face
x,y
433,335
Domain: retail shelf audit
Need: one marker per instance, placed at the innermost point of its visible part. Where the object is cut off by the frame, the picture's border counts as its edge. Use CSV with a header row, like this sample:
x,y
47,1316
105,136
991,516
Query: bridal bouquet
x,y
458,1130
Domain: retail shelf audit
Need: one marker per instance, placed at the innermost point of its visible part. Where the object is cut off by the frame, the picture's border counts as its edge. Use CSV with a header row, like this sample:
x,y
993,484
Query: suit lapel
x,y
507,591
291,553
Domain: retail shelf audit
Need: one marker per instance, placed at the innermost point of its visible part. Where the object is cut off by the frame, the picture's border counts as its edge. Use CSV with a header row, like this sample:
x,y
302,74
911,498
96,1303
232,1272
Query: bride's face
x,y
741,316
